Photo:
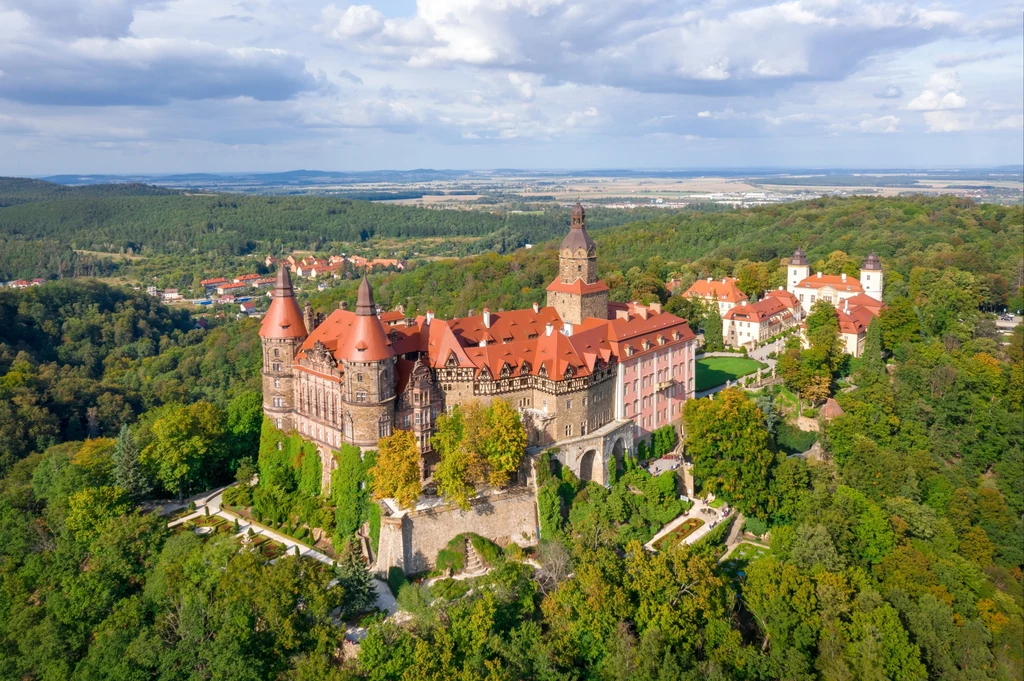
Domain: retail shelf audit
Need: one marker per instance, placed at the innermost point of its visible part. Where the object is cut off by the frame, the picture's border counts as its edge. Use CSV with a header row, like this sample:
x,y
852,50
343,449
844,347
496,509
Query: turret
x,y
577,293
798,270
281,335
871,277
368,362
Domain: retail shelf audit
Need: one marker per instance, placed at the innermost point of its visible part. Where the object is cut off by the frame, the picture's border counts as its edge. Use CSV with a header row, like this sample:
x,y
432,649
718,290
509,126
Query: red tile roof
x,y
577,287
836,281
724,290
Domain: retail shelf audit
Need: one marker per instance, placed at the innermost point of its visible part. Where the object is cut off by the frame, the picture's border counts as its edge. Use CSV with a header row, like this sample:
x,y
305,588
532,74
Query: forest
x,y
636,260
895,554
42,225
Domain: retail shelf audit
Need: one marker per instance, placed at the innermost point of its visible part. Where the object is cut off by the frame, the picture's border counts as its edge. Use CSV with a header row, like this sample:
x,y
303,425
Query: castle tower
x,y
798,270
871,277
281,334
577,293
368,389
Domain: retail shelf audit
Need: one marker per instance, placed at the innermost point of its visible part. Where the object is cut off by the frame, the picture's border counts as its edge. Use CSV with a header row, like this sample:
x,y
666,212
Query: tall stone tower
x,y
871,276
281,334
368,391
798,269
577,293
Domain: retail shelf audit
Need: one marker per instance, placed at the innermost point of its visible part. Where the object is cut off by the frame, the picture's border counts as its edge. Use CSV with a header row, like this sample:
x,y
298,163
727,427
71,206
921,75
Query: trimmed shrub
x,y
755,526
549,507
396,580
488,550
450,559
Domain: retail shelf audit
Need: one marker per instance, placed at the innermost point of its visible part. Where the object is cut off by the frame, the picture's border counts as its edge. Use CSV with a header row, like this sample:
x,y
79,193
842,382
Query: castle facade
x,y
588,376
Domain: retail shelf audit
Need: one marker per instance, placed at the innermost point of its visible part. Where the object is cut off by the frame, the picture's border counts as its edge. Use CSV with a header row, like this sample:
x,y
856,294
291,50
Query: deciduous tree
x,y
397,473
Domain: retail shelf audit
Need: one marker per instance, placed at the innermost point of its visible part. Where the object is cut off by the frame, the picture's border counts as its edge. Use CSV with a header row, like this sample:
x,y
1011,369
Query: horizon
x,y
169,86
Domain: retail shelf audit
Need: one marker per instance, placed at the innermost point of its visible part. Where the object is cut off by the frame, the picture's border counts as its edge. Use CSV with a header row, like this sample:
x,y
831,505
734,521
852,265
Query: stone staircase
x,y
474,563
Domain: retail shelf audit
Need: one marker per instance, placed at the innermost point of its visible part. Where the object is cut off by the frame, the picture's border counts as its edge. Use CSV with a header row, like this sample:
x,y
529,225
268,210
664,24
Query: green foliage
x,y
350,493
713,339
728,443
663,440
355,581
755,526
396,579
549,505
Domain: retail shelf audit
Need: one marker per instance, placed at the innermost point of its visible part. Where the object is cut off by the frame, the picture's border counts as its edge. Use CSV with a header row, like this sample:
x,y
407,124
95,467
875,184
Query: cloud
x,y
948,121
152,71
718,49
890,92
939,94
82,18
958,58
882,124
577,117
351,77
703,114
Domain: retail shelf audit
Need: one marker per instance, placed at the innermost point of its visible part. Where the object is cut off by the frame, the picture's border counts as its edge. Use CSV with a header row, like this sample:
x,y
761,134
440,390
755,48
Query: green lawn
x,y
712,371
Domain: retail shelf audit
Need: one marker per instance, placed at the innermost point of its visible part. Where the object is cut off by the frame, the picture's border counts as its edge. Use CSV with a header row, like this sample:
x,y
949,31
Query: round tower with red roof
x,y
368,363
281,334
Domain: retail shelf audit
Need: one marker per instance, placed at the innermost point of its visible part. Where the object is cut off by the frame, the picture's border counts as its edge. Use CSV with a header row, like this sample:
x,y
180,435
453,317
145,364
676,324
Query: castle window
x,y
359,378
568,404
276,366
583,428
276,352
568,430
277,382
360,396
279,402
279,423
405,421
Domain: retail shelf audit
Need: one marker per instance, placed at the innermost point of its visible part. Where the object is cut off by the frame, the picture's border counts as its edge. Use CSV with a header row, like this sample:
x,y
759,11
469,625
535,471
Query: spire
x,y
871,262
283,318
799,258
577,237
364,299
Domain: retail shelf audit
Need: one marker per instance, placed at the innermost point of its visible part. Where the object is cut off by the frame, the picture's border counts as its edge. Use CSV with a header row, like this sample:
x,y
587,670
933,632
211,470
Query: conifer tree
x,y
128,473
873,364
713,340
355,581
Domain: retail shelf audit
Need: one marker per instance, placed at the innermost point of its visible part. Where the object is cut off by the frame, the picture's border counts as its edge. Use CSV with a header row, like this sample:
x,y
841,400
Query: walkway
x,y
696,512
385,601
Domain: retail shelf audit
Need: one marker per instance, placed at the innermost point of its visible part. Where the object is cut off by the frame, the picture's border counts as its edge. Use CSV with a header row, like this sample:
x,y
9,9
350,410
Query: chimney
x,y
844,277
400,308
744,303
655,308
548,328
622,314
567,328
846,305
641,312
536,307
472,311
482,343
780,288
487,318
430,316
819,275
343,305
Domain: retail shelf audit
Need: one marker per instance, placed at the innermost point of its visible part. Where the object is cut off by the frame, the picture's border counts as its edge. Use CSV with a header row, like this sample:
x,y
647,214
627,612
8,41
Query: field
x,y
712,371
744,554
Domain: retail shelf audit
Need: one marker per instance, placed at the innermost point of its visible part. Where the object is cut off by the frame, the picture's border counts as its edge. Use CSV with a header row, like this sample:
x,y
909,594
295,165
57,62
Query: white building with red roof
x,y
588,377
723,291
857,301
748,324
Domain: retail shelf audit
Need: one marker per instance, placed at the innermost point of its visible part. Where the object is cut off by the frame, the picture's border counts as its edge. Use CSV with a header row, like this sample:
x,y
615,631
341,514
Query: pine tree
x,y
713,341
873,363
355,581
128,473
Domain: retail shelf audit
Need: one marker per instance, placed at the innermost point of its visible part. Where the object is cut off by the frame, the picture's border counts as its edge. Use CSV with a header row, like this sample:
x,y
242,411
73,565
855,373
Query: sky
x,y
157,86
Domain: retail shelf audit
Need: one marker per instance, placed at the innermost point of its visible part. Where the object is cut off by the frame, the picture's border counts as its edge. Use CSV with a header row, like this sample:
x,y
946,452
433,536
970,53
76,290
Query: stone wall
x,y
411,539
590,457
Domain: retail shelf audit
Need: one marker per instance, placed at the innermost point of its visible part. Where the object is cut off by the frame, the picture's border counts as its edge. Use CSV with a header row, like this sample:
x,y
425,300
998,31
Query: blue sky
x,y
219,85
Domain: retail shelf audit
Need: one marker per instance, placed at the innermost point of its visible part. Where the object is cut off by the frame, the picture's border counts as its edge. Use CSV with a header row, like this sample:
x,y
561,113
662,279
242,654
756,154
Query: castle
x,y
588,376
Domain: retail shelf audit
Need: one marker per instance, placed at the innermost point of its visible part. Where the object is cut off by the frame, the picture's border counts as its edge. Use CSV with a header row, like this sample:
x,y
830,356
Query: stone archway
x,y
618,453
587,465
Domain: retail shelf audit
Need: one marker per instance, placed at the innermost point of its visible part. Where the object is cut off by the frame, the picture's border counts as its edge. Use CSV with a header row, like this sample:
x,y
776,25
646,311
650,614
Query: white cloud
x,y
577,117
958,58
703,114
890,92
882,124
948,121
939,94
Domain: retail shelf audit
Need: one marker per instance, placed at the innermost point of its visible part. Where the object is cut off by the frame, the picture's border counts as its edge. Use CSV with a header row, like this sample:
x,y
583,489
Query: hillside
x,y
636,259
42,224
